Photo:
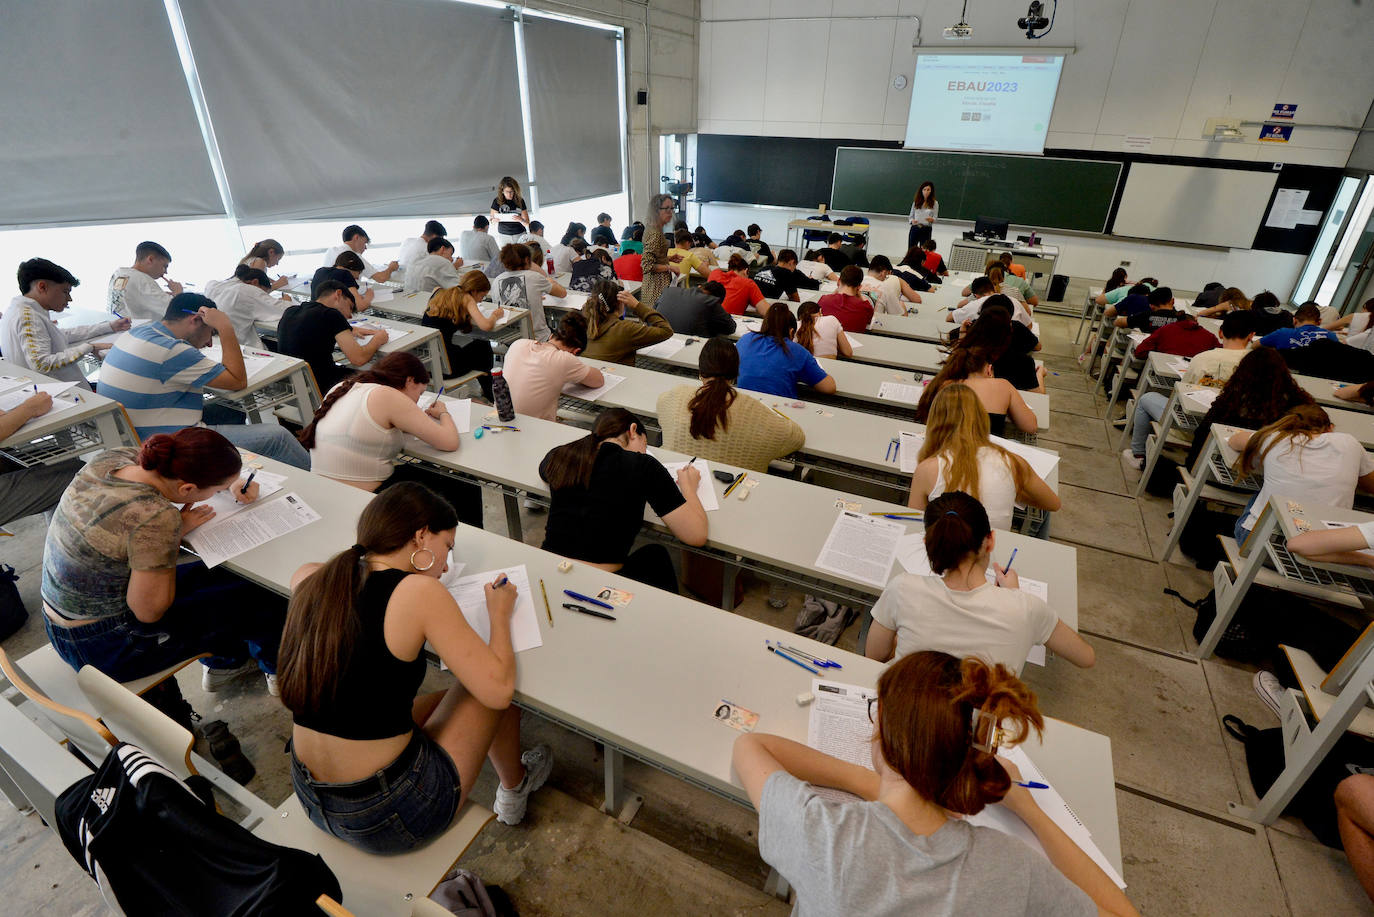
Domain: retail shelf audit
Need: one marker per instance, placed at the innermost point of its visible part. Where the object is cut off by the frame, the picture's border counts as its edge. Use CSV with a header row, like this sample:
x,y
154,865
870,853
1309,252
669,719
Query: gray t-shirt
x,y
477,246
524,290
859,858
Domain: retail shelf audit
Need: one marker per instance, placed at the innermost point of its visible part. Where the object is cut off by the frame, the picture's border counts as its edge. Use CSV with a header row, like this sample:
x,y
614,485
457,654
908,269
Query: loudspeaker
x,y
642,97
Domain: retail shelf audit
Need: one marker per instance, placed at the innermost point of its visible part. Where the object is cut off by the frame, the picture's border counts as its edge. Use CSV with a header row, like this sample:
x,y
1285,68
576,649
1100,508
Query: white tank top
x,y
350,445
996,486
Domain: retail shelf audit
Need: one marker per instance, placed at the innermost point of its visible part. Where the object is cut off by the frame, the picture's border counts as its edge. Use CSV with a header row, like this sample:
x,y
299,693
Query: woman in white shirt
x,y
247,298
958,454
265,254
359,430
957,610
821,334
1302,457
924,210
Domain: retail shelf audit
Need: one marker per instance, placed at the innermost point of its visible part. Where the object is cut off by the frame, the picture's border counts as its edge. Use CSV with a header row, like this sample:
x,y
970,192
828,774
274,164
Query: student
x,y
632,242
856,250
347,269
457,311
133,291
1210,295
717,422
1211,367
536,234
956,610
1301,455
656,269
1136,300
311,331
1354,323
437,269
694,265
476,244
1010,266
35,488
114,596
1014,286
1161,312
1306,329
1345,545
912,270
1259,392
756,243
509,207
934,263
853,311
831,255
1117,279
979,290
1008,343
569,250
1354,800
998,396
413,250
1182,338
536,372
247,298
772,363
265,254
901,847
924,210
602,233
888,290
1269,315
598,265
1114,295
599,487
958,455
158,373
823,335
356,240
28,335
372,763
783,280
358,431
697,311
740,291
521,286
630,266
816,269
609,335
1229,300
702,237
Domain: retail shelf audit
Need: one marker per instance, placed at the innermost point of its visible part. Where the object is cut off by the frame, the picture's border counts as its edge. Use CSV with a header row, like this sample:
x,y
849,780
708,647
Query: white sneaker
x,y
272,688
211,680
510,804
1270,691
1135,461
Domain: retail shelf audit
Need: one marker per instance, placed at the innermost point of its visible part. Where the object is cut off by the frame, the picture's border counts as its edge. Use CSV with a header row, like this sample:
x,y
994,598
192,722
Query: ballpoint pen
x,y
734,484
794,660
248,483
1032,784
588,599
1007,568
587,611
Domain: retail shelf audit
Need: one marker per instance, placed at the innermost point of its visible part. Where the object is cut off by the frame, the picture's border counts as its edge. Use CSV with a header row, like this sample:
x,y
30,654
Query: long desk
x,y
94,422
424,342
285,381
410,308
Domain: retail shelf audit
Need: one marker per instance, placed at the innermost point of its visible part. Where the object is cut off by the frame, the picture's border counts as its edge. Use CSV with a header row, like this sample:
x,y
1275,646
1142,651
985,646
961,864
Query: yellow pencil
x,y
547,610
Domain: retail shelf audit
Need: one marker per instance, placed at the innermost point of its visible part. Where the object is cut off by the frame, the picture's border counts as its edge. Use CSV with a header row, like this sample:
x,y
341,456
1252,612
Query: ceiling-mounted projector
x,y
960,31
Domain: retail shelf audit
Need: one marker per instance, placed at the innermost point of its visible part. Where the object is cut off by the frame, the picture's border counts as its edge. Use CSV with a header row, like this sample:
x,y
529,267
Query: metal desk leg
x,y
620,805
303,393
1230,593
434,355
1201,476
776,885
729,574
113,430
514,530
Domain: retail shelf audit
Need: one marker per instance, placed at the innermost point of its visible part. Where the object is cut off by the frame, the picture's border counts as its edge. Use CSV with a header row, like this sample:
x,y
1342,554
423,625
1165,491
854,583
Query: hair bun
x,y
156,452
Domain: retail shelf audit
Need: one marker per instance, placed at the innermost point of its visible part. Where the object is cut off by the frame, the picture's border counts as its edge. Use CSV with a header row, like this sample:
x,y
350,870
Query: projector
x,y
960,31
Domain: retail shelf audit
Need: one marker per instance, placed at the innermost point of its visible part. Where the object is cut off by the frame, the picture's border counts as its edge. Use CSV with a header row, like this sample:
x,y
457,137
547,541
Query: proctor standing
x,y
924,210
658,272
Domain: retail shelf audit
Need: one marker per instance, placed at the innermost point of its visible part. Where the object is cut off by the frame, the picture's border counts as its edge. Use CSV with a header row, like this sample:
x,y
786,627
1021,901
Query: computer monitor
x,y
984,227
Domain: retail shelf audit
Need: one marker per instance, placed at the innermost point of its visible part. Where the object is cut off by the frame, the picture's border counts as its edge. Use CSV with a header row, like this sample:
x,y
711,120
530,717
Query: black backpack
x,y
13,614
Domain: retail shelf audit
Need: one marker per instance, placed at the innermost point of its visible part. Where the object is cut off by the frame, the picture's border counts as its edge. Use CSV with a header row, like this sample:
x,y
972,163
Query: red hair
x,y
195,455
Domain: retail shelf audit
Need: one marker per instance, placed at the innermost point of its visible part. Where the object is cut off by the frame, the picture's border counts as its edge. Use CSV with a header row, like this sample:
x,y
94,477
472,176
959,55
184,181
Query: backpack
x,y
13,614
1267,618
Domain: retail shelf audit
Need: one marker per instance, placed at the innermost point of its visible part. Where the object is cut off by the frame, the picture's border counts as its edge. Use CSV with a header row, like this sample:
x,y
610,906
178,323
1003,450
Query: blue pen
x,y
902,518
774,649
809,657
1032,785
501,581
586,598
1007,568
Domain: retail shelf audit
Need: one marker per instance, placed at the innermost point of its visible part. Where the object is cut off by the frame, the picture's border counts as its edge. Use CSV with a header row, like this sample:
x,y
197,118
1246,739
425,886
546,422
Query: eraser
x,y
805,698
564,566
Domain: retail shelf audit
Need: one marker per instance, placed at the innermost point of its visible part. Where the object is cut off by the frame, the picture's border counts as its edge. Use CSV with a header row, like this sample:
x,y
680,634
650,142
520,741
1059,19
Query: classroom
x,y
765,456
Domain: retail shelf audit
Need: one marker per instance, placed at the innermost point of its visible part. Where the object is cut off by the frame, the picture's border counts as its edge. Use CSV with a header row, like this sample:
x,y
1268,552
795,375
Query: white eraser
x,y
805,698
564,566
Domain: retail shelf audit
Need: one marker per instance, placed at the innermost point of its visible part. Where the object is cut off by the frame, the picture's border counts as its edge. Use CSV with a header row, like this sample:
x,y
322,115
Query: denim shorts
x,y
408,802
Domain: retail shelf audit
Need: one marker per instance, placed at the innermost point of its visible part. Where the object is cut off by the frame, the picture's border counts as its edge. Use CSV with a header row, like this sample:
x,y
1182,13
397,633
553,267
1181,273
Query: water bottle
x,y
550,265
505,409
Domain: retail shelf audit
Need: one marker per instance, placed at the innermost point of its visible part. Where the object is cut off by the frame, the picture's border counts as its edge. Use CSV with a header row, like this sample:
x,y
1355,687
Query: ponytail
x,y
451,303
572,331
393,370
779,324
956,526
195,455
1305,420
571,464
710,406
807,313
601,307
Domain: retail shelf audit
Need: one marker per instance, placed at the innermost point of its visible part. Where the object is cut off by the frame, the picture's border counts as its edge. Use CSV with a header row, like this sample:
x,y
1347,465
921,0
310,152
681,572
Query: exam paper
x,y
1202,397
11,400
1179,365
861,548
254,361
574,390
224,504
460,409
664,349
899,391
705,492
909,450
911,554
382,294
1042,462
223,539
30,388
392,334
854,342
9,382
468,592
838,721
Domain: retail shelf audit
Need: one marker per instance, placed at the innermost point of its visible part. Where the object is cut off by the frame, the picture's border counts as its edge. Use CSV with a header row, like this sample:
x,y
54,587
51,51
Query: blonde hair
x,y
452,303
1305,421
956,429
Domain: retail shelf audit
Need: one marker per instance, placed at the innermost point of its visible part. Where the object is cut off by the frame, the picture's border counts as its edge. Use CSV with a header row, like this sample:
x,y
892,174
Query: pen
x,y
900,518
500,426
547,609
694,458
588,599
1007,568
1032,785
823,663
911,515
794,661
735,483
501,581
248,483
587,611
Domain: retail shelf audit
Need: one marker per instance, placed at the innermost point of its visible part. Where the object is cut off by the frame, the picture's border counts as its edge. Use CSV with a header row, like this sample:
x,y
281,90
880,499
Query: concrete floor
x,y
687,852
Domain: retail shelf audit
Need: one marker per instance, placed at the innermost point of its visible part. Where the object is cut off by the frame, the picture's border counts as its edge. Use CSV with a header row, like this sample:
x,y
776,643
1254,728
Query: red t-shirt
x,y
1184,338
740,291
934,262
629,267
854,312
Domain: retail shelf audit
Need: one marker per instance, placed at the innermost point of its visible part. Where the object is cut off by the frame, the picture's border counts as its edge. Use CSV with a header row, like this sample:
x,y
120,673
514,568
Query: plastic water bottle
x,y
550,265
777,595
505,409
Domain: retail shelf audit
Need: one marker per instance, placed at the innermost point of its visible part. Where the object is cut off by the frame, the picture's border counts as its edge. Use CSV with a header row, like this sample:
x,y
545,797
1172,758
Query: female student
x,y
246,298
823,335
1009,343
957,610
609,335
998,396
1231,299
901,847
772,363
1345,545
523,286
113,594
958,455
372,763
657,269
456,311
265,254
597,265
716,421
564,254
846,304
1259,392
509,207
694,265
924,210
360,428
536,372
600,485
1301,455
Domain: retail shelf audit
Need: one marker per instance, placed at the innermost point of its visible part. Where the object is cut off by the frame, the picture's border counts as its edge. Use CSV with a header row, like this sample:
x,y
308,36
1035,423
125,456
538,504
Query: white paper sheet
x,y
664,349
382,294
911,554
224,504
705,492
575,390
909,450
30,388
837,722
254,361
11,400
468,592
460,409
223,539
861,548
905,392
9,382
1203,397
854,342
1179,365
392,334
1042,462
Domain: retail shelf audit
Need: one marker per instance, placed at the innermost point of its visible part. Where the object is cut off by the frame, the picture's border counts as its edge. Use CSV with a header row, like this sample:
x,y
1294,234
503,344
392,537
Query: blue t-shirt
x,y
766,367
1133,305
1285,338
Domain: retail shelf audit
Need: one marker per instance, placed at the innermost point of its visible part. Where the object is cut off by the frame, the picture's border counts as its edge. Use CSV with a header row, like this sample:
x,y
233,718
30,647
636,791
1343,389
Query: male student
x,y
476,244
158,373
756,243
696,311
356,240
832,255
133,291
887,288
535,234
1161,312
311,330
413,250
934,262
437,270
603,233
1306,329
29,336
979,290
783,279
37,488
857,251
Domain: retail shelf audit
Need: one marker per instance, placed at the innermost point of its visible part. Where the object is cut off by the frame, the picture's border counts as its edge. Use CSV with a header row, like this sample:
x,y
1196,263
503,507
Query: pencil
x,y
734,484
547,610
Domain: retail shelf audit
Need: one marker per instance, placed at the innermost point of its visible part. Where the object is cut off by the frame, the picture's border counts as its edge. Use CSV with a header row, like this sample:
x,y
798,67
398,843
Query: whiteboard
x,y
1193,204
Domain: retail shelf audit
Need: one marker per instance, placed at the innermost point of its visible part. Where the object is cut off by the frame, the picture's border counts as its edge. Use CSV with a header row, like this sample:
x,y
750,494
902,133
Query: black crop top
x,y
375,690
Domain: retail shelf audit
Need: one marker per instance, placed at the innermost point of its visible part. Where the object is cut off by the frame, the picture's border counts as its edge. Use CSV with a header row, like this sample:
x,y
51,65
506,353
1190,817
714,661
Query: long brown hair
x,y
957,429
807,315
321,621
710,406
452,303
1299,425
956,525
929,199
926,705
778,324
601,307
393,370
961,363
571,464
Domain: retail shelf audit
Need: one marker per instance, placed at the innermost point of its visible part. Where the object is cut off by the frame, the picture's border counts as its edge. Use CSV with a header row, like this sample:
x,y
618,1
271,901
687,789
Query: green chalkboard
x,y
1035,191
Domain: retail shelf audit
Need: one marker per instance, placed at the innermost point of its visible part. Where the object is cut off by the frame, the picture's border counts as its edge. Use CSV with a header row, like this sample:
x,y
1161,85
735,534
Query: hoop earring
x,y
426,566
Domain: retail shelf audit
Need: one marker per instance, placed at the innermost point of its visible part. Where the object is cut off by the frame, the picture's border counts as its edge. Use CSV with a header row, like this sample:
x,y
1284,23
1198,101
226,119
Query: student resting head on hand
x,y
609,335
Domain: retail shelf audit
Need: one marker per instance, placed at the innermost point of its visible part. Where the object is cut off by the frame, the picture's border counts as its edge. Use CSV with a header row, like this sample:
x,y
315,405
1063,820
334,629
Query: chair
x,y
817,235
86,733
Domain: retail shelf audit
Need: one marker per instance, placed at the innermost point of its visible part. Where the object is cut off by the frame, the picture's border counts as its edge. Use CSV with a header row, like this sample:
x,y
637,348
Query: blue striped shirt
x,y
158,378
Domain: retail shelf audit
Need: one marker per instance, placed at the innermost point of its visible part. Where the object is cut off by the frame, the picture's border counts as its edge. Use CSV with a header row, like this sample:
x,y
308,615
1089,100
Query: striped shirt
x,y
158,378
29,338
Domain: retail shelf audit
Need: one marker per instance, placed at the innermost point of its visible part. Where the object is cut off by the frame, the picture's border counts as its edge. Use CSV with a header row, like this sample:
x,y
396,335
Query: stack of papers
x,y
223,539
665,349
905,392
574,390
861,548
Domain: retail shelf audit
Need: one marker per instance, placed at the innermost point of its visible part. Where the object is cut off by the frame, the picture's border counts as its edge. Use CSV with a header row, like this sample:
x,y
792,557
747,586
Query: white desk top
x,y
411,307
88,407
859,228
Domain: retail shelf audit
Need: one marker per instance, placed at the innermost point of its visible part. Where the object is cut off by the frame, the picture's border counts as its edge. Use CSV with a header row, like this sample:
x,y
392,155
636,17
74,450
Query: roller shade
x,y
574,109
98,121
358,108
